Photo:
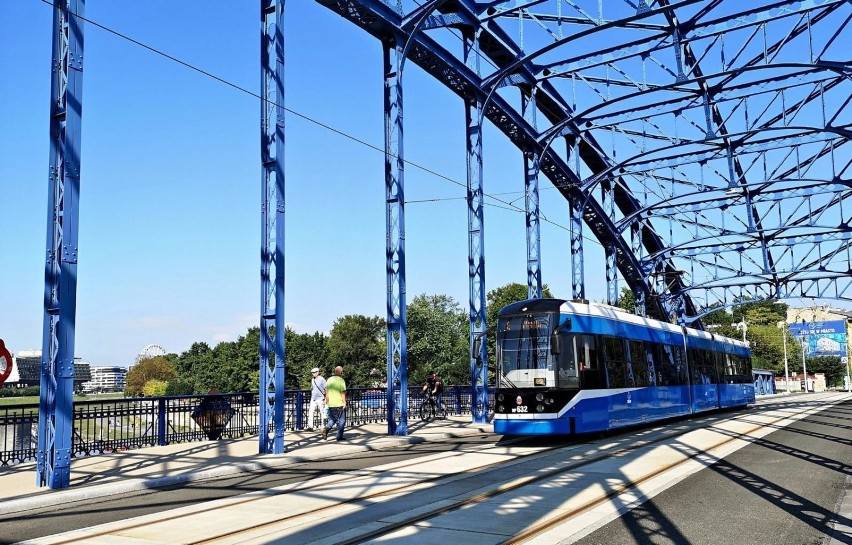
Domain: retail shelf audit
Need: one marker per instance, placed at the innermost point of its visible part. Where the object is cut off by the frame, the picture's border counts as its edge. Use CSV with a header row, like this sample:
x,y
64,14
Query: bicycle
x,y
429,409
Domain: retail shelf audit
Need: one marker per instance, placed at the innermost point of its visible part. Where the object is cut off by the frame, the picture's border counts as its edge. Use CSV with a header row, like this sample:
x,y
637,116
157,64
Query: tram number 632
x,y
520,409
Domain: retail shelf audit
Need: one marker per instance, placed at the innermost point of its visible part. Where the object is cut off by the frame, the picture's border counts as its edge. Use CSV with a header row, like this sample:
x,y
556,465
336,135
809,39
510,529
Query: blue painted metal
x,y
608,202
476,247
532,167
272,346
726,151
397,355
578,282
53,464
764,382
379,19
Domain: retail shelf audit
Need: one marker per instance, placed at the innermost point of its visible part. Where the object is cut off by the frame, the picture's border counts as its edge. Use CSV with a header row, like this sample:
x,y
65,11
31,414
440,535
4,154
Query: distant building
x,y
815,383
28,365
106,379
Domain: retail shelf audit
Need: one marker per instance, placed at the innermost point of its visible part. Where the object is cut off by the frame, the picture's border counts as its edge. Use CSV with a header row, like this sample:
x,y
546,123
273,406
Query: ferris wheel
x,y
150,351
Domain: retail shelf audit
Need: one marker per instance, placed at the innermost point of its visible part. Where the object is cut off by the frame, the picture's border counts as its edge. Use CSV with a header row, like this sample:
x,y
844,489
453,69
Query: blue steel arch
x,y
707,100
570,60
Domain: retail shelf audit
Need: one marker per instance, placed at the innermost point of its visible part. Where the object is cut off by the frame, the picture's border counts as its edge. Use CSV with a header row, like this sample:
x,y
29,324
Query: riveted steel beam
x,y
55,426
397,343
272,324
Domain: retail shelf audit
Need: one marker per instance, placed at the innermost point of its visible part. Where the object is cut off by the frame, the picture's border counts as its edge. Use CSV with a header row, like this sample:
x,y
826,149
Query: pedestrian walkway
x,y
491,493
152,467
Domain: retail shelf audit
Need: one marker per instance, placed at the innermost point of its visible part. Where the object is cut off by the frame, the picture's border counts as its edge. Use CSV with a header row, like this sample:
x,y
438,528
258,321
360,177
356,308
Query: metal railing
x,y
102,426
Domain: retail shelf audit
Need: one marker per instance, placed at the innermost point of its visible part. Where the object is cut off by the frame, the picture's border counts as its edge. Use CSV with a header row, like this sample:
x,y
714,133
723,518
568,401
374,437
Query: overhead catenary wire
x,y
507,205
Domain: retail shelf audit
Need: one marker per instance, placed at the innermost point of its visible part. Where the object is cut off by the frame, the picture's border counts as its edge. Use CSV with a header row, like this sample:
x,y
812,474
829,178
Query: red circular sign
x,y
5,370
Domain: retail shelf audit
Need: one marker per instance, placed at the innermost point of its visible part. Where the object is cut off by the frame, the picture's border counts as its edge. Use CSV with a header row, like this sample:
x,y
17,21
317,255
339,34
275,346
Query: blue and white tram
x,y
574,367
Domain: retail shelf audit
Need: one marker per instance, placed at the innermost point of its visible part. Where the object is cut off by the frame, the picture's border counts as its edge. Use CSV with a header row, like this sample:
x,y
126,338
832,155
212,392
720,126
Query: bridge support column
x,y
531,200
397,355
636,243
272,346
578,282
476,247
56,409
608,202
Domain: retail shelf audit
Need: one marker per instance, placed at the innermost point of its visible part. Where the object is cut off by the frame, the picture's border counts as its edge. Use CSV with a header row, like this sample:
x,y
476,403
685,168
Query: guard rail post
x,y
300,400
458,400
161,422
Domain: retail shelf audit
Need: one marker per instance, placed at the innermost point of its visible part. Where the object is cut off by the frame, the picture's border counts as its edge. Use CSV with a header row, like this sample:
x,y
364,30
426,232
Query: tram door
x,y
585,349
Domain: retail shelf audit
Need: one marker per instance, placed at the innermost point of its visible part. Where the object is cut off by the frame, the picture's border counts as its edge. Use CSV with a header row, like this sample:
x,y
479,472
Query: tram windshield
x,y
523,351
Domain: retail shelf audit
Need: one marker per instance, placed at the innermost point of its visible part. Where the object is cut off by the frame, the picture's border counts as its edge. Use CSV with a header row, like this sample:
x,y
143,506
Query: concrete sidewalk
x,y
122,472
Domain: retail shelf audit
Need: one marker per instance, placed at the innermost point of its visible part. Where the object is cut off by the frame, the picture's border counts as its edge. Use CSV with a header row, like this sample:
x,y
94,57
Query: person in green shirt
x,y
335,400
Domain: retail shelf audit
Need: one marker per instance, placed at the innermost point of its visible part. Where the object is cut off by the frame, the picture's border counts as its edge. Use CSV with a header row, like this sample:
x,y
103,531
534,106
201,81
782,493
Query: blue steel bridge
x,y
703,144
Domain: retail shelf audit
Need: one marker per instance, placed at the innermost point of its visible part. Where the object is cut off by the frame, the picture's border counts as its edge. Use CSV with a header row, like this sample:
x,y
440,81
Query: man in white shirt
x,y
317,398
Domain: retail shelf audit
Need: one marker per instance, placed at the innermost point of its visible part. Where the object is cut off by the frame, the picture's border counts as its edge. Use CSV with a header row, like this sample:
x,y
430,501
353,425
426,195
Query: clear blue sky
x,y
170,193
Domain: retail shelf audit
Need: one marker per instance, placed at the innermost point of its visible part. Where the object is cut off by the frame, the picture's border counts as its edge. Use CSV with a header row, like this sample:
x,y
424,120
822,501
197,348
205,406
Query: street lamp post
x,y
783,326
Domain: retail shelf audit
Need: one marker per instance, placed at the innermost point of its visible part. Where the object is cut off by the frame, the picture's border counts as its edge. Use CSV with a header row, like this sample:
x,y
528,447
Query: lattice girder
x,y
720,126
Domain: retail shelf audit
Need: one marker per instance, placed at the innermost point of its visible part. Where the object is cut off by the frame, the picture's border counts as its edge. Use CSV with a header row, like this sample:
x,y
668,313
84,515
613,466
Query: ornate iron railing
x,y
103,426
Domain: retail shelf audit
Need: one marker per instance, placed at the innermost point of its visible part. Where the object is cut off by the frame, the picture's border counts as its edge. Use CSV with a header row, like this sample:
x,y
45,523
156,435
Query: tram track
x,y
426,515
316,485
536,530
556,461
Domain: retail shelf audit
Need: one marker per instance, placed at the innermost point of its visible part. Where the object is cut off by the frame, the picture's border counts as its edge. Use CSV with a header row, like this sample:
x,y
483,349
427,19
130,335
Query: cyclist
x,y
434,388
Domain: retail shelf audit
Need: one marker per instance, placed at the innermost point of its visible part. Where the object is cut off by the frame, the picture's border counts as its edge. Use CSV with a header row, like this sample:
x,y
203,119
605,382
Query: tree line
x,y
438,338
438,335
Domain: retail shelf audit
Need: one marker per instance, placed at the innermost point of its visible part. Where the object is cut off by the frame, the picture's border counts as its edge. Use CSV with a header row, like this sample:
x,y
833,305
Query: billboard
x,y
822,338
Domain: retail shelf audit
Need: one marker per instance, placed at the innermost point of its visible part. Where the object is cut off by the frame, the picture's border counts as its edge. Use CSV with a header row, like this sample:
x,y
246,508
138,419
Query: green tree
x,y
304,352
438,339
155,388
765,337
627,301
193,364
156,368
834,370
357,343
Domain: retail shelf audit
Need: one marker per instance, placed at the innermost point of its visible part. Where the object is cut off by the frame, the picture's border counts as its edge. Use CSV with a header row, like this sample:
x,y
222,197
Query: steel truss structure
x,y
702,143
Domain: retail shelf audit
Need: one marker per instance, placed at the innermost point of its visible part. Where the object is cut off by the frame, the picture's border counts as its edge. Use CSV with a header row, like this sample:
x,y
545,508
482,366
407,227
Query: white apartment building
x,y
106,379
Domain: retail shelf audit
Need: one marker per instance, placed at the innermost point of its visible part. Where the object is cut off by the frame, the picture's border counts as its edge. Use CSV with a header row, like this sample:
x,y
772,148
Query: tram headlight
x,y
501,409
519,400
500,397
540,408
539,397
549,401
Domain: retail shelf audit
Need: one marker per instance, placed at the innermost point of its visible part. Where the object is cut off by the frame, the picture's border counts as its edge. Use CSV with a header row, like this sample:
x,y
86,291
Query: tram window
x,y
566,366
587,361
713,369
674,370
613,349
652,363
615,364
732,368
637,369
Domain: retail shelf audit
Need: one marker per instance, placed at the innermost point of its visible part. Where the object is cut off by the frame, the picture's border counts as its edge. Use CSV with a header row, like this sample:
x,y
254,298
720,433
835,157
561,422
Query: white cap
x,y
315,370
